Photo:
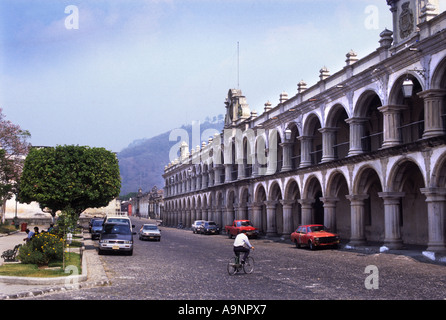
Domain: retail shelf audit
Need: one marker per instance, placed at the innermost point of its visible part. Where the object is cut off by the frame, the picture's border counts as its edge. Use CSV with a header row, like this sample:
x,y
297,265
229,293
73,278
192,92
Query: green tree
x,y
75,177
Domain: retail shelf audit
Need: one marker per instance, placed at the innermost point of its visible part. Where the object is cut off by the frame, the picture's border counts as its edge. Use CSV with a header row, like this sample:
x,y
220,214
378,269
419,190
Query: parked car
x,y
122,218
313,236
116,237
96,228
210,227
239,225
90,224
150,231
197,225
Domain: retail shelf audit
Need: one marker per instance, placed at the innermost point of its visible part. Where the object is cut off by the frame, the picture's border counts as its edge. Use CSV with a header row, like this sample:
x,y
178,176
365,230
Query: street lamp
x,y
288,134
407,88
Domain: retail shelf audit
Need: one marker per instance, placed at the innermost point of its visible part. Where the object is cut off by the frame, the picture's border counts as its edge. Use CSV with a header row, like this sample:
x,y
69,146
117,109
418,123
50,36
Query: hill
x,y
142,162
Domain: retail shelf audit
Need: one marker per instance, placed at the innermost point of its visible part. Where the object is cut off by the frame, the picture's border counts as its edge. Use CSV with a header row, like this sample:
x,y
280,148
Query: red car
x,y
314,235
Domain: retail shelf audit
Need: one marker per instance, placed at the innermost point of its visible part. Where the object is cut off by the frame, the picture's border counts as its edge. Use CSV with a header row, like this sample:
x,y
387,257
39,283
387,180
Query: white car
x,y
119,219
197,225
150,231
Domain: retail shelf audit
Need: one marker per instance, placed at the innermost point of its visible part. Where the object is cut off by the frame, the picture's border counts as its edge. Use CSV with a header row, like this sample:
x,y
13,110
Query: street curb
x,y
58,284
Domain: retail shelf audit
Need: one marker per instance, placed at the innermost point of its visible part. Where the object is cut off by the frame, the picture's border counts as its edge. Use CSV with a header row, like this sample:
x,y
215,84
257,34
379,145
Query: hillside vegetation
x,y
142,163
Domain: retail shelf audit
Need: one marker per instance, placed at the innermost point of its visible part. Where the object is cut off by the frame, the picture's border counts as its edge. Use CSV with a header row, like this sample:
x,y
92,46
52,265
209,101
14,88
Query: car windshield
x,y
211,223
118,220
150,228
317,228
97,223
243,224
116,229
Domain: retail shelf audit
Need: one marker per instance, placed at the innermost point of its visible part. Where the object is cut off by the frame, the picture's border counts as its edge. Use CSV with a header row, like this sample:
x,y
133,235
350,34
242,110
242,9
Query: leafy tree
x,y
14,147
75,177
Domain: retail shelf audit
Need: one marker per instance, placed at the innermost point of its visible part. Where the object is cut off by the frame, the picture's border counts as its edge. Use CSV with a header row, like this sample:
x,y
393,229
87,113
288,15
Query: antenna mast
x,y
238,65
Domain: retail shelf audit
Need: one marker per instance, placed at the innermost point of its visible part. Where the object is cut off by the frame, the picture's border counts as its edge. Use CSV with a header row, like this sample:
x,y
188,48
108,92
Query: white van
x,y
122,219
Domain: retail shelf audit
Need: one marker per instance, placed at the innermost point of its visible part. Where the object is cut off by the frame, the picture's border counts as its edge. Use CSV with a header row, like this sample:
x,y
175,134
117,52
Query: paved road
x,y
184,266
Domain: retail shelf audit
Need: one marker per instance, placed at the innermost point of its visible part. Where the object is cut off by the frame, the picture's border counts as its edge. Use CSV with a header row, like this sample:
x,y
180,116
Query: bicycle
x,y
235,265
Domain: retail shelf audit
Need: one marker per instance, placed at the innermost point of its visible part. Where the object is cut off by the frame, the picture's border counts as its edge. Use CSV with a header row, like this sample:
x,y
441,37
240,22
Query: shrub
x,y
42,249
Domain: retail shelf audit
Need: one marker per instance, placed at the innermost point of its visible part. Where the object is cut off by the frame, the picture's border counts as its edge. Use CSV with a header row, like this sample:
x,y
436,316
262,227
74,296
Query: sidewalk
x,y
93,273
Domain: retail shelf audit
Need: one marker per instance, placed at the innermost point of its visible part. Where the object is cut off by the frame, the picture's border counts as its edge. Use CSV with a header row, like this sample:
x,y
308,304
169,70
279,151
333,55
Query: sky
x,y
103,73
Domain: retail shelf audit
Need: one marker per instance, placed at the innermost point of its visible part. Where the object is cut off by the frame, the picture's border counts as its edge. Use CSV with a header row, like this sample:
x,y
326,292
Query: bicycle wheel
x,y
248,267
232,266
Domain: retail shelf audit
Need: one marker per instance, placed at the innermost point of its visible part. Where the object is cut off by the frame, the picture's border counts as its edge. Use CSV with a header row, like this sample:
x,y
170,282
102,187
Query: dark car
x,y
210,227
90,224
116,237
96,228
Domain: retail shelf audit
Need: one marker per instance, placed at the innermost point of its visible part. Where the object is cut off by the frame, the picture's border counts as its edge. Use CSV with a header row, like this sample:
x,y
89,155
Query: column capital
x,y
434,194
271,204
306,202
287,202
357,197
432,93
391,195
329,201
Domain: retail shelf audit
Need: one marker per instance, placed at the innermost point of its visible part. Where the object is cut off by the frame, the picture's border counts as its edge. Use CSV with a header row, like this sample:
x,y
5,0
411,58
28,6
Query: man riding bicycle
x,y
242,244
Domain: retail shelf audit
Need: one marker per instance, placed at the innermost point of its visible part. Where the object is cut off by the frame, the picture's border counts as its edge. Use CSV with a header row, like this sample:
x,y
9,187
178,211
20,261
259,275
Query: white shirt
x,y
242,240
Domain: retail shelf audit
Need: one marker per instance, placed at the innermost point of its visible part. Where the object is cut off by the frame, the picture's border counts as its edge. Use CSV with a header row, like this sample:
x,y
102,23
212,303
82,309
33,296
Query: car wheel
x,y
296,242
311,245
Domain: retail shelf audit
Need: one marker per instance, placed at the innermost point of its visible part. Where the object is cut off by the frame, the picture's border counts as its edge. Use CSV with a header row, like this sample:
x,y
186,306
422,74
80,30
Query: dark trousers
x,y
237,251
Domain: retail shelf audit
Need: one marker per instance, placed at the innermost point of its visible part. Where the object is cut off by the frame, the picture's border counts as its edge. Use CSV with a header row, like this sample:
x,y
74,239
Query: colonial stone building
x,y
363,151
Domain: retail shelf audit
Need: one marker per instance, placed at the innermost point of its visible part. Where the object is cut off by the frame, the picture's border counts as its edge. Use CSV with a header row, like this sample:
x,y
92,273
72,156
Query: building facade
x,y
147,205
363,151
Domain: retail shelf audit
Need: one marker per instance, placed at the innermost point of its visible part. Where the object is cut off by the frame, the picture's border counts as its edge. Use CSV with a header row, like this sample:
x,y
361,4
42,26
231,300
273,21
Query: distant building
x,y
363,151
149,204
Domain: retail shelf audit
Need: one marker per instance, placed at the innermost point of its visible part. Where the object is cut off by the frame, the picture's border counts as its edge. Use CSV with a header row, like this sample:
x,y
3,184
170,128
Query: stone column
x,y
391,125
287,164
330,213
392,229
230,216
242,211
228,172
356,134
218,217
328,141
204,213
255,166
357,237
307,210
188,218
257,215
193,215
305,147
436,210
271,229
433,111
287,206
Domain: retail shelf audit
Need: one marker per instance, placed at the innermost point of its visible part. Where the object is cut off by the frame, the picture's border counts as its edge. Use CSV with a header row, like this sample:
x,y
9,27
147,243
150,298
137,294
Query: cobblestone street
x,y
187,266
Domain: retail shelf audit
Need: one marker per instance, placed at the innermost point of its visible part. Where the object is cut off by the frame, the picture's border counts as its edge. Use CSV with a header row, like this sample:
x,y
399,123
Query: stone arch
x,y
274,209
295,152
260,197
311,132
313,194
439,172
367,188
406,179
337,127
245,200
291,196
411,120
439,76
336,205
370,119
